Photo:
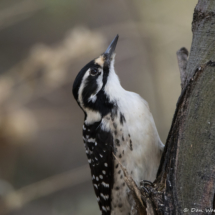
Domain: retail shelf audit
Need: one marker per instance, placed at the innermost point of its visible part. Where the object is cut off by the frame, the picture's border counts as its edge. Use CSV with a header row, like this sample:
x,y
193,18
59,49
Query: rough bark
x,y
186,176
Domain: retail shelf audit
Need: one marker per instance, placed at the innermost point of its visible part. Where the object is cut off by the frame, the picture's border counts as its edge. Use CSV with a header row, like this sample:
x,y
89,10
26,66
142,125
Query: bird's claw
x,y
146,182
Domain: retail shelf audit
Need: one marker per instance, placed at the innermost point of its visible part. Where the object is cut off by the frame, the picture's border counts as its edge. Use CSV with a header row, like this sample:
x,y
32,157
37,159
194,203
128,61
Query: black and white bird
x,y
116,122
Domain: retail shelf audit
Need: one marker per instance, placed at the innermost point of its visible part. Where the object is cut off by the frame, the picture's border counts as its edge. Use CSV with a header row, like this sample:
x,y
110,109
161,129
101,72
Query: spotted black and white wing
x,y
99,149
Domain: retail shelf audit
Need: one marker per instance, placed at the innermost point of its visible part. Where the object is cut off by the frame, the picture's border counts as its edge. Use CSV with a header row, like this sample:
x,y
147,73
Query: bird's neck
x,y
113,88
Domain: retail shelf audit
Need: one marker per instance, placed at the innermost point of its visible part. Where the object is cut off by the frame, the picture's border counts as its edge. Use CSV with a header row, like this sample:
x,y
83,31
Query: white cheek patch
x,y
80,91
92,98
92,116
99,84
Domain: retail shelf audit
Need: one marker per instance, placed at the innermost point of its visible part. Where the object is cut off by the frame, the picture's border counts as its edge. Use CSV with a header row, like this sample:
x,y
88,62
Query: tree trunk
x,y
186,176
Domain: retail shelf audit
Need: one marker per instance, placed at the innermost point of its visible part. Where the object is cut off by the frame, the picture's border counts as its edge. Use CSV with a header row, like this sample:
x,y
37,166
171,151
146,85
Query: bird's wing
x,y
99,149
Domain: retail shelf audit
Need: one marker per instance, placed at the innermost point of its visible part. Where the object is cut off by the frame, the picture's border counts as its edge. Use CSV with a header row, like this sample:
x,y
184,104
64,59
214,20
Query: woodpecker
x,y
116,122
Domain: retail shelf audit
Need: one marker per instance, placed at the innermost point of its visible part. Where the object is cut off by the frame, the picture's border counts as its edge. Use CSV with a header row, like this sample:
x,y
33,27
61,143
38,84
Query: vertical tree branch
x,y
186,176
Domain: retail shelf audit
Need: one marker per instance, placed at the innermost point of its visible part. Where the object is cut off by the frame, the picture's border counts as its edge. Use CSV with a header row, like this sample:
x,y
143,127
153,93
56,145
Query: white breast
x,y
137,145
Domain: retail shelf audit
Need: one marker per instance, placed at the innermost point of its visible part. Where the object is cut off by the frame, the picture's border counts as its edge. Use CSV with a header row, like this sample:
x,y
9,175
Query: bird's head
x,y
93,86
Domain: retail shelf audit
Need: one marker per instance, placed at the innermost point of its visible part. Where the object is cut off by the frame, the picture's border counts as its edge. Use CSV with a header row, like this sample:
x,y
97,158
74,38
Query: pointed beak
x,y
111,48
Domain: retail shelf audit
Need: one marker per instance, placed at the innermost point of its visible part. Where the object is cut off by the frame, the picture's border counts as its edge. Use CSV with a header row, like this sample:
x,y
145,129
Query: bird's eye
x,y
93,72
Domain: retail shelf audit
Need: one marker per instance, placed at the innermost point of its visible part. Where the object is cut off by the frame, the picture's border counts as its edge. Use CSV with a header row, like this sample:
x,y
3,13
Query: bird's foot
x,y
148,188
145,183
152,195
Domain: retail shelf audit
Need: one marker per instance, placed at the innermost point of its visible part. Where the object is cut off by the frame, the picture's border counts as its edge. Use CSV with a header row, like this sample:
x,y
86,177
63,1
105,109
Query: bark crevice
x,y
200,16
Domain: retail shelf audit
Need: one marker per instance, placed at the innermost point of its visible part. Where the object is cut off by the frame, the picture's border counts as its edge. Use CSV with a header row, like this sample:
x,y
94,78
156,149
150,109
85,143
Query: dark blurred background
x,y
43,45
